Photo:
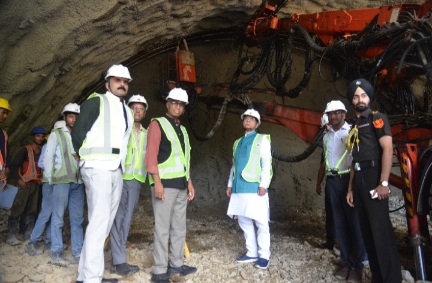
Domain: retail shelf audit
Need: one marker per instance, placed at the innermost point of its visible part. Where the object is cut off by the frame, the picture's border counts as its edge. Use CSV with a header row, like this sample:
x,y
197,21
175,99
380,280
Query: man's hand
x,y
191,190
318,189
350,198
159,191
262,191
228,191
75,156
382,192
22,184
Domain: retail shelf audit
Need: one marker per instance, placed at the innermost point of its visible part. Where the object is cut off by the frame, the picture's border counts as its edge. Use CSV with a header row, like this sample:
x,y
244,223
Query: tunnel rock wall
x,y
53,52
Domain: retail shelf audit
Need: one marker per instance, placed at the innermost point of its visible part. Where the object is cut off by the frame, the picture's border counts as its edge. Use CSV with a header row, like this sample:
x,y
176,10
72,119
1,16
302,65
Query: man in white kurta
x,y
248,182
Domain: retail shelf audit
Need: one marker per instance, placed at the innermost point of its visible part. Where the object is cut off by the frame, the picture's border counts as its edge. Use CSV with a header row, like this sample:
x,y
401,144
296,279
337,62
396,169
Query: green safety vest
x,y
178,163
68,172
252,171
134,163
101,143
327,164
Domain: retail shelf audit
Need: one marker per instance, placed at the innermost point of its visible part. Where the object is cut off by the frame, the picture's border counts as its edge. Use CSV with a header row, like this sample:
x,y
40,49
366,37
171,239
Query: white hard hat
x,y
178,94
138,98
59,124
253,113
324,120
118,71
71,107
335,105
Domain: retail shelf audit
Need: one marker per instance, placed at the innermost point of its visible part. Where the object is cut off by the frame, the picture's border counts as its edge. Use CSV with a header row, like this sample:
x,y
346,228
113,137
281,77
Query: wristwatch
x,y
384,183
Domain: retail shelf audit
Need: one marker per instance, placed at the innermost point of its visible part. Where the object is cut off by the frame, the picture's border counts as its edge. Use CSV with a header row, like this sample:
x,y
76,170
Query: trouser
x,y
25,205
347,227
329,224
120,228
67,195
44,216
257,242
377,230
170,226
103,189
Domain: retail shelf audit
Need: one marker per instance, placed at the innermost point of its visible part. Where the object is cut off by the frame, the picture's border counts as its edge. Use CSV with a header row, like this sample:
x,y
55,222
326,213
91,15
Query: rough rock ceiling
x,y
53,50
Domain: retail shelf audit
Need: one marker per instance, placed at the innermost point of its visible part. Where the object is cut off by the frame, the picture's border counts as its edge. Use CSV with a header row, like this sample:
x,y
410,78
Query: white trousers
x,y
257,242
103,189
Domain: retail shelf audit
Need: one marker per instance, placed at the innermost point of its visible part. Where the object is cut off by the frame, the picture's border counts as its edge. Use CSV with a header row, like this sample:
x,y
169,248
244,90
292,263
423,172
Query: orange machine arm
x,y
329,26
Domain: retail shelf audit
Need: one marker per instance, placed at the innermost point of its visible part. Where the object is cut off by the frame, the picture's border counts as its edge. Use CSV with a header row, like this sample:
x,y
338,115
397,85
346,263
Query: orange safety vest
x,y
31,171
3,159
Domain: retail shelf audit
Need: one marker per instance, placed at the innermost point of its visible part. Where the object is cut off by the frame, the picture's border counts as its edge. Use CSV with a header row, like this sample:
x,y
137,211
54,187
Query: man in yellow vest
x,y
168,162
61,171
248,181
26,173
100,137
337,163
134,177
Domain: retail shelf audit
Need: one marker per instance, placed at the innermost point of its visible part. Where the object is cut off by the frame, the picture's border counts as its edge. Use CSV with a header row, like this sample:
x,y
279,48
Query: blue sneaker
x,y
262,263
245,258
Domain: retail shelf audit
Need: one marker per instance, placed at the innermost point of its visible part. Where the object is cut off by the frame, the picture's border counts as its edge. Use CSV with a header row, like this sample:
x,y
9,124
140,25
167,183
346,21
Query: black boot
x,y
12,227
30,222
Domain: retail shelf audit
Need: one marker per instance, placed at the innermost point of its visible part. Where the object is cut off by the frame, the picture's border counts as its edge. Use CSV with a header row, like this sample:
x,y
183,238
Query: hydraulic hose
x,y
305,154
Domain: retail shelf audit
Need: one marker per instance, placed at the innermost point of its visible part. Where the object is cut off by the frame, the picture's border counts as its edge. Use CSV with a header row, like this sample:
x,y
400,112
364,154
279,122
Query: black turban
x,y
360,83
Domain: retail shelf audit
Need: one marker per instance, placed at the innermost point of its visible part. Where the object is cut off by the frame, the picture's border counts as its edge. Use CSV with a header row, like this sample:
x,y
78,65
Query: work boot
x,y
124,269
57,259
74,259
11,237
30,222
32,250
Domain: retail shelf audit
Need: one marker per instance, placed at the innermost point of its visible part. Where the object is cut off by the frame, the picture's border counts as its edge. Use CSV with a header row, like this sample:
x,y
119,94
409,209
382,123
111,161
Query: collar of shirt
x,y
345,126
250,133
366,113
141,129
172,120
109,93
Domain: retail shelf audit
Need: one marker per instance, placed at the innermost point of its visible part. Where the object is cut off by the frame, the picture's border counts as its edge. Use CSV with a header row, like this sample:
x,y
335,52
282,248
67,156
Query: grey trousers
x,y
120,228
170,226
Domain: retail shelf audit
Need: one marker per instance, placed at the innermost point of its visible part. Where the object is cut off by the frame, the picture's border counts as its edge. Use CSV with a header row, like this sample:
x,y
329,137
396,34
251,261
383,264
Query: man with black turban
x,y
370,142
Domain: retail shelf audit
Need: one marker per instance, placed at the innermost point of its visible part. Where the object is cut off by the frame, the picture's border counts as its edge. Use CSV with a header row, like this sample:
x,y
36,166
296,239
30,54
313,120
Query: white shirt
x,y
334,148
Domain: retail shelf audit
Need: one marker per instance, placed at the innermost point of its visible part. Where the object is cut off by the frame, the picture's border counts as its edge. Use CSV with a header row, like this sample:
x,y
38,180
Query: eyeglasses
x,y
337,112
177,103
138,108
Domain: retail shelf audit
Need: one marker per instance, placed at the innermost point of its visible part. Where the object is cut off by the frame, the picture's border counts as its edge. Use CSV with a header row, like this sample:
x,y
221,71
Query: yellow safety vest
x,y
101,143
178,163
68,172
338,163
134,163
252,171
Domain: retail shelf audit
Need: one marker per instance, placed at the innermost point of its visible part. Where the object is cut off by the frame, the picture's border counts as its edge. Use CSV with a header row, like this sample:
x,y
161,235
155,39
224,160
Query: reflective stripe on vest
x,y
252,170
338,163
4,158
134,163
177,165
67,173
102,145
32,172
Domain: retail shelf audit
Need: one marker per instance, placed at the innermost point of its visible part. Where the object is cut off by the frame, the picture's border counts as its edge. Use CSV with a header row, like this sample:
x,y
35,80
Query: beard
x,y
360,108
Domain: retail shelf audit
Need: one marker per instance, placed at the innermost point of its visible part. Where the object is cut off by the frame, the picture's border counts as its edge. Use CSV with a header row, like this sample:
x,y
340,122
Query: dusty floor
x,y
214,242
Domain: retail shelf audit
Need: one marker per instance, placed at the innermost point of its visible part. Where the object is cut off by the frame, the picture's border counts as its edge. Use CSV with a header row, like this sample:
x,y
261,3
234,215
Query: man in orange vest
x,y
4,145
28,175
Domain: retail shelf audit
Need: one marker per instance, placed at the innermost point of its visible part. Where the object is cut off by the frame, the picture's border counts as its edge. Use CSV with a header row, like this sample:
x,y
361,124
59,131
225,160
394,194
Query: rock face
x,y
56,52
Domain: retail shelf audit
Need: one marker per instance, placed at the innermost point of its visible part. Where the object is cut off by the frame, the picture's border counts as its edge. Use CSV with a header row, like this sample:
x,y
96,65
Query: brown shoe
x,y
355,275
342,273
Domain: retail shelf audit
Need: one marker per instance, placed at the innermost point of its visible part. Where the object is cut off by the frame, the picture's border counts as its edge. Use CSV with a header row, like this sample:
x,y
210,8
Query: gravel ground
x,y
214,242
